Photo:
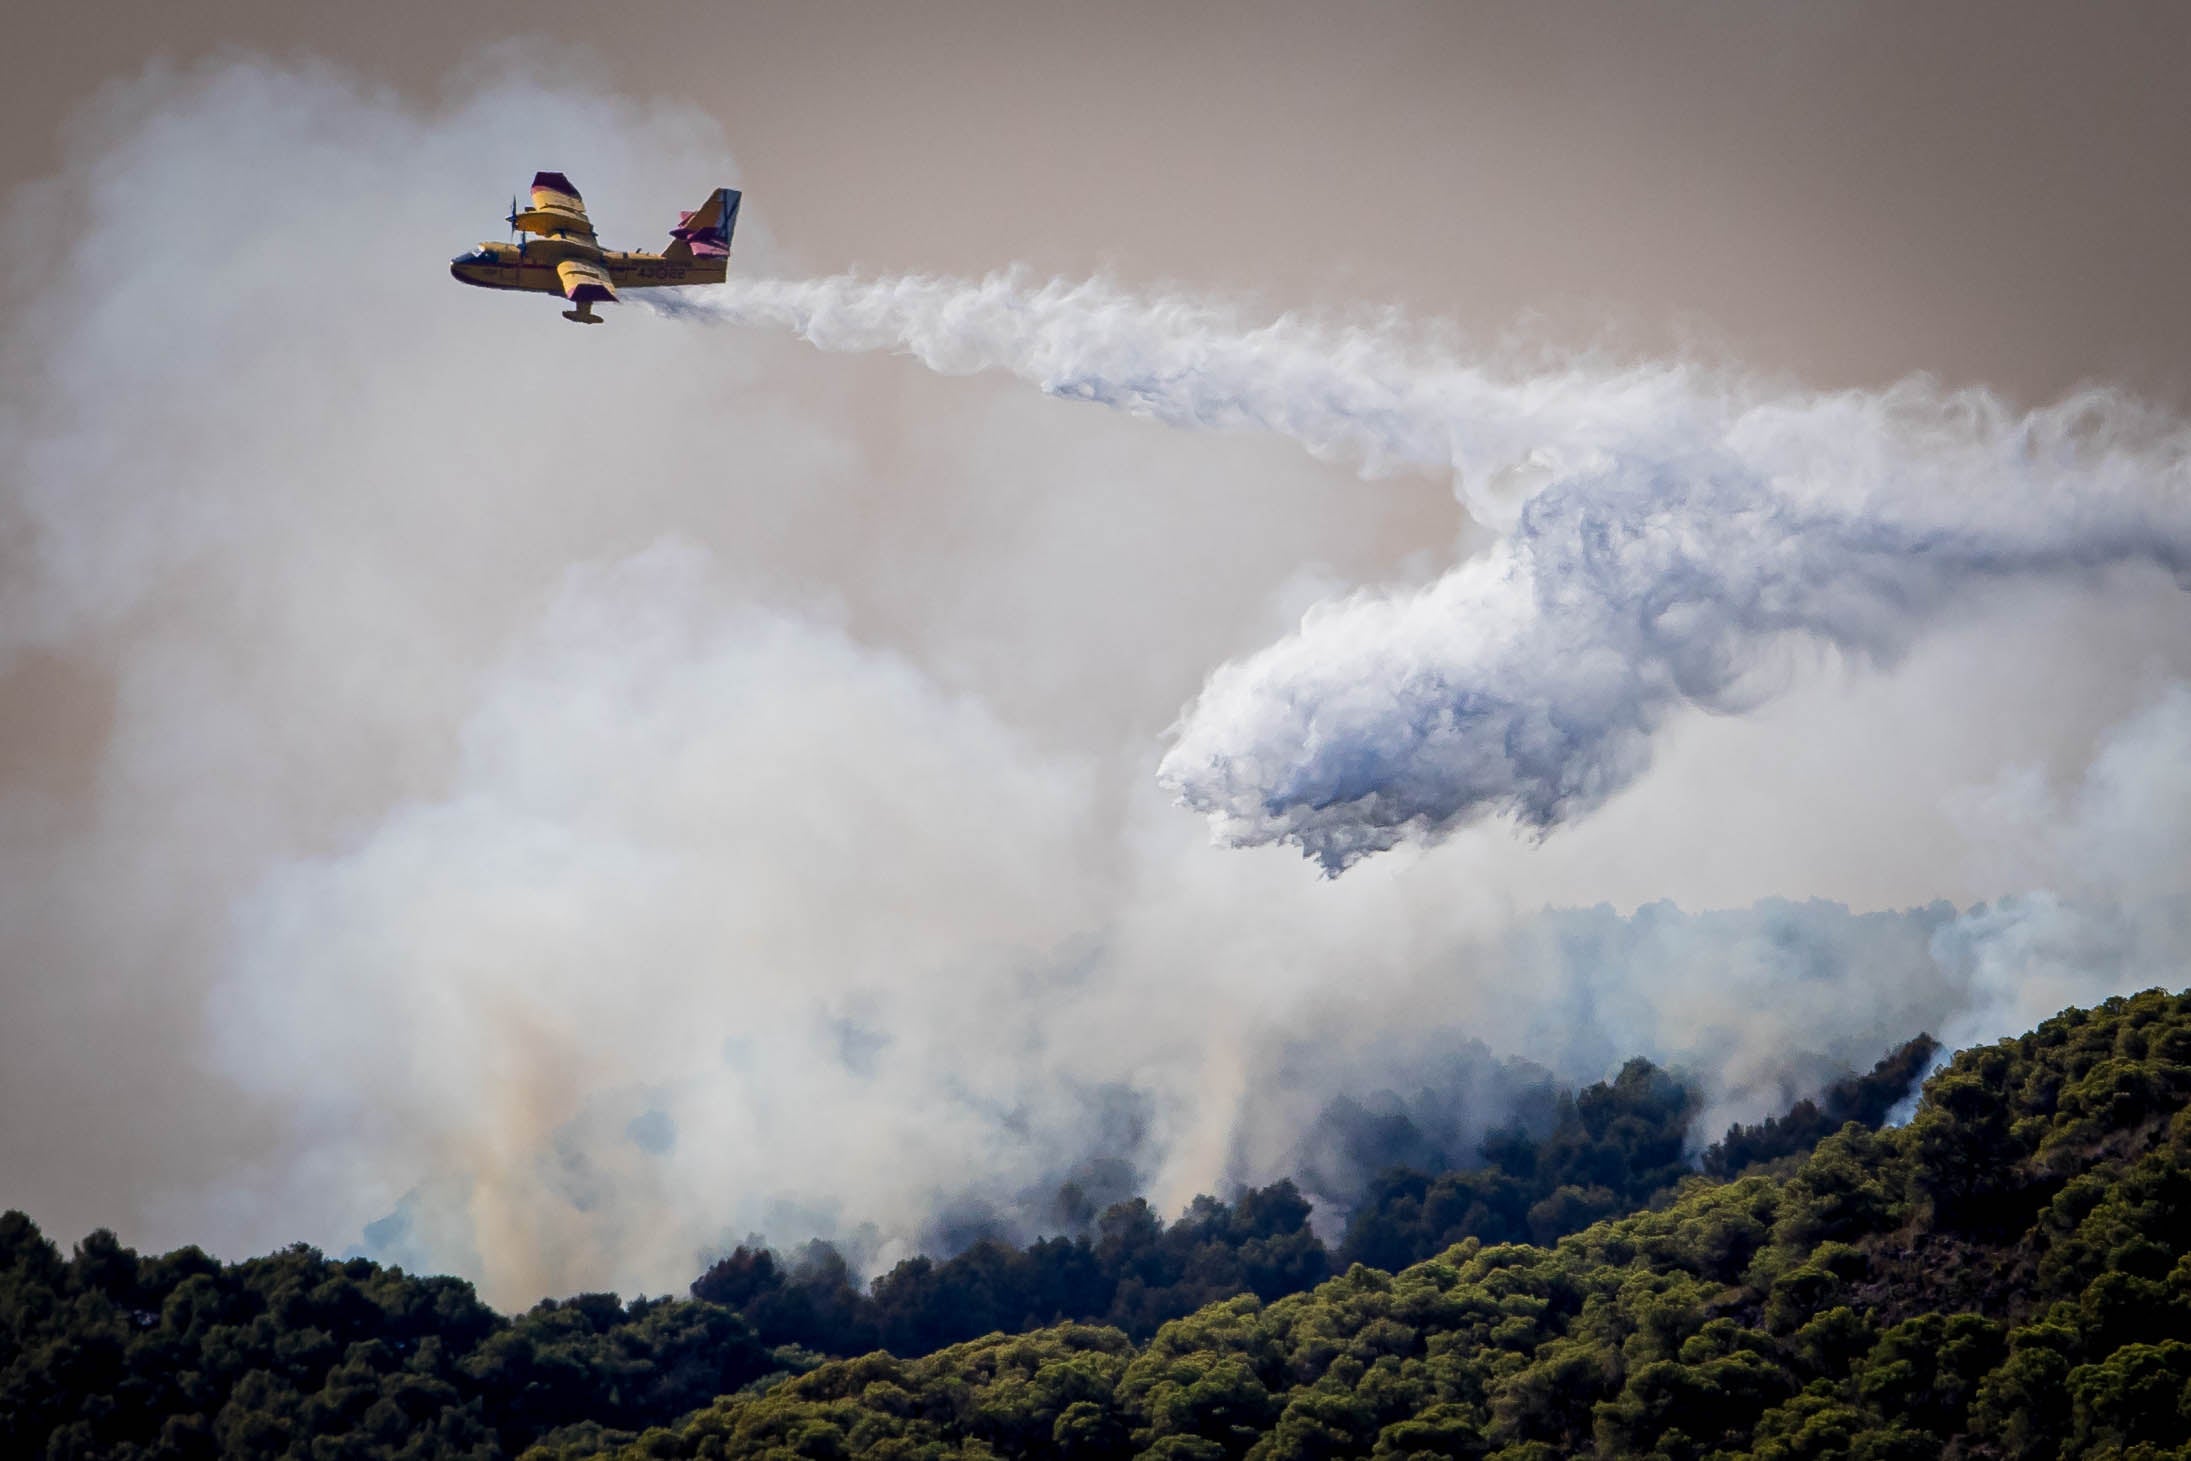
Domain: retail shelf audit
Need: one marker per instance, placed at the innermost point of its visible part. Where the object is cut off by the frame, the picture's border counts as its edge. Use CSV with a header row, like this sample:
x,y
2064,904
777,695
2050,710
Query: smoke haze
x,y
549,807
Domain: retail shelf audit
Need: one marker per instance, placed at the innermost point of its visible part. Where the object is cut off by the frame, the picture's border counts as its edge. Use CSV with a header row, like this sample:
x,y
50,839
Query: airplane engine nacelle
x,y
551,221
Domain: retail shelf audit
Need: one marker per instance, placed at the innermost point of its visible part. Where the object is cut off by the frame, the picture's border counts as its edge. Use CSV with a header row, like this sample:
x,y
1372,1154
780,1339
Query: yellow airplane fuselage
x,y
531,266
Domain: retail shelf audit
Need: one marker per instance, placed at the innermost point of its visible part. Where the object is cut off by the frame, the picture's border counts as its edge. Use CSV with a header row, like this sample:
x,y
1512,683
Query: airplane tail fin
x,y
705,232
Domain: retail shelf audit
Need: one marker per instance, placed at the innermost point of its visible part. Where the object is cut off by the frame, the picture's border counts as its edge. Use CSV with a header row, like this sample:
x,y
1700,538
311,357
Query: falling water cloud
x,y
1666,528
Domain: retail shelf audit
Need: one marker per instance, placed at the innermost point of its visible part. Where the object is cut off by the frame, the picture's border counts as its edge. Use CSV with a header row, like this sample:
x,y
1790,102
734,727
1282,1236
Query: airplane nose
x,y
456,271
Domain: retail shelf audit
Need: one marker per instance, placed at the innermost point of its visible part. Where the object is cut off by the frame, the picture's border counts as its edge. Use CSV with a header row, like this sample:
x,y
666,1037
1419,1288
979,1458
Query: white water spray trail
x,y
1665,527
1380,397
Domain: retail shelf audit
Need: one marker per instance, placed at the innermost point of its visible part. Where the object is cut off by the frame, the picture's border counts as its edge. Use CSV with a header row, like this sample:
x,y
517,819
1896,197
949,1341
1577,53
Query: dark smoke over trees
x,y
1866,1099
1608,1149
1135,1271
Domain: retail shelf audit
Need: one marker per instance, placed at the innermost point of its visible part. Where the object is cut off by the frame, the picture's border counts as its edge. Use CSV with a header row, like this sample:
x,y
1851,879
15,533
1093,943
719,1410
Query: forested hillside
x,y
110,1354
1610,1148
2004,1276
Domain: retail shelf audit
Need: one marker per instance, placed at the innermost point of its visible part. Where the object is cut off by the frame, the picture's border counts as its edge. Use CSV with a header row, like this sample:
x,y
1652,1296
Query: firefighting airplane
x,y
563,257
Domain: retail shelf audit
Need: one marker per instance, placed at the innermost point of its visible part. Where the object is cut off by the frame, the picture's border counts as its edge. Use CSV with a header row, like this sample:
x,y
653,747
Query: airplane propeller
x,y
512,220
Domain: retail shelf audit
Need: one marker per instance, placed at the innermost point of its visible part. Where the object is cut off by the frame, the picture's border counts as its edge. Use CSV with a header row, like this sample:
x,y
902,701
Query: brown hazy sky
x,y
1992,192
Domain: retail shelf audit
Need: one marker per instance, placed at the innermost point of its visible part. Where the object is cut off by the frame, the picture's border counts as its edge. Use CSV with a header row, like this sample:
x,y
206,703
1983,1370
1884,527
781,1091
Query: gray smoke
x,y
545,803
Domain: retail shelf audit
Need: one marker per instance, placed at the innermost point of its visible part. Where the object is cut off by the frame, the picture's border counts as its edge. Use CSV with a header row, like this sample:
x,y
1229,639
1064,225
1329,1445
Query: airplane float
x,y
562,257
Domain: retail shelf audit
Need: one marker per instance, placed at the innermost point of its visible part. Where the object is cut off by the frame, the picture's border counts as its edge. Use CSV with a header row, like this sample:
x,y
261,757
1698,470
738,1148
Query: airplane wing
x,y
584,281
557,202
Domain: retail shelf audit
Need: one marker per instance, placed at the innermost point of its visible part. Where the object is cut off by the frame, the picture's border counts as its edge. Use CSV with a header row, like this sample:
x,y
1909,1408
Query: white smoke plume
x,y
546,803
1667,528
